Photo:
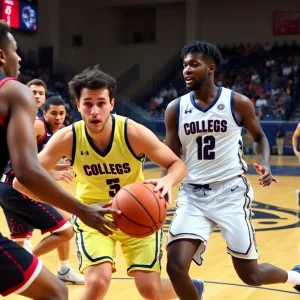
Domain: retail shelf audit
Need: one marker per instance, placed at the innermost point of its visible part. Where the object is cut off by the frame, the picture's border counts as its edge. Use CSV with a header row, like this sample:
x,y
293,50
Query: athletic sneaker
x,y
70,277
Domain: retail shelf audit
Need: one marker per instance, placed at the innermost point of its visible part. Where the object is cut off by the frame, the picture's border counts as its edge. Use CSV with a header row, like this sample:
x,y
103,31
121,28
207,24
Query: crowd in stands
x,y
269,75
57,84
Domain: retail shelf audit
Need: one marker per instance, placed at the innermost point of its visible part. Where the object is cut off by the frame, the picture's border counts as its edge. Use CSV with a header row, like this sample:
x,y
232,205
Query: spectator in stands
x,y
261,102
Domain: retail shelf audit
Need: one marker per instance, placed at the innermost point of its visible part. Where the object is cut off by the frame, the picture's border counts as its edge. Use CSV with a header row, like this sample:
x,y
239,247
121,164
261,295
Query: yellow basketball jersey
x,y
100,175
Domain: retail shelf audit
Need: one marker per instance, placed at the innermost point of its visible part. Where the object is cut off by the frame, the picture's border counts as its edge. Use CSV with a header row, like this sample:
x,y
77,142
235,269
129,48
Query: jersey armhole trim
x,y
74,145
178,114
141,158
232,109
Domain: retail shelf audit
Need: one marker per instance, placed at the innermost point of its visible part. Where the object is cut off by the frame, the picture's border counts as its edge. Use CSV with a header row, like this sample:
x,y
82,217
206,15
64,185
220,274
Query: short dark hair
x,y
4,30
37,82
53,100
208,50
92,78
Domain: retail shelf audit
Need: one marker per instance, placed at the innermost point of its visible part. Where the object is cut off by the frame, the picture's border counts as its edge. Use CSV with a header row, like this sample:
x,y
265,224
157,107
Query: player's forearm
x,y
46,190
262,150
176,172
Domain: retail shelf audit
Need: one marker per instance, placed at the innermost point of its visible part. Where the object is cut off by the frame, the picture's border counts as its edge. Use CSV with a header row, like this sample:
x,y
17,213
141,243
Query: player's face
x,y
95,107
39,94
195,71
55,116
9,58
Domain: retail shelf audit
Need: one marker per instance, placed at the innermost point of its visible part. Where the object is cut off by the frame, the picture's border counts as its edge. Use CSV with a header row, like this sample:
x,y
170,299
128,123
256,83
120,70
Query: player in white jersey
x,y
206,124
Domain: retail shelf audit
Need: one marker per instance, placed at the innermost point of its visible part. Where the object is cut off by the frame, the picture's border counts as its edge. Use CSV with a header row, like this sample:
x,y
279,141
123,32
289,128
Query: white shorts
x,y
227,204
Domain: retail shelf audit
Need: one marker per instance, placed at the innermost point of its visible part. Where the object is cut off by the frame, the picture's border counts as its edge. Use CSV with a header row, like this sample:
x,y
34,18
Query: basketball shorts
x,y
18,268
94,248
227,204
23,214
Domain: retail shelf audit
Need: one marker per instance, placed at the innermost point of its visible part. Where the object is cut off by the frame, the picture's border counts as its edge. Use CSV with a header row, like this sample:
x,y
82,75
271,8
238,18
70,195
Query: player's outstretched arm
x,y
143,141
23,155
245,114
295,141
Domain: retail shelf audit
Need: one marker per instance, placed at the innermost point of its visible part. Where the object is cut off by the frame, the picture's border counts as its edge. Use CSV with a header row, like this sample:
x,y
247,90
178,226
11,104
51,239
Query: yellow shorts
x,y
94,248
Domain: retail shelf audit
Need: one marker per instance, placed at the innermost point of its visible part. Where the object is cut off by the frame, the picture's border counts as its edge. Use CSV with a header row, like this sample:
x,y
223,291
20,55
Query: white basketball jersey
x,y
211,139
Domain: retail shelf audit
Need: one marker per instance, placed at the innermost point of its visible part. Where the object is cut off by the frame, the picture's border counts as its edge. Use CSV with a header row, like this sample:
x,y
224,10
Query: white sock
x,y
293,277
64,264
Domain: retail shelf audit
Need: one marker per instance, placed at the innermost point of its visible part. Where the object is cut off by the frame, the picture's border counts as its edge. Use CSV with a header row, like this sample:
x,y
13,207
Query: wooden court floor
x,y
276,219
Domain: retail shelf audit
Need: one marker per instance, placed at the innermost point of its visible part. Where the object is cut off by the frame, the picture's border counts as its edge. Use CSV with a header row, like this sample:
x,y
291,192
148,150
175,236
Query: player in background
x,y
20,271
206,124
295,142
39,90
107,152
23,214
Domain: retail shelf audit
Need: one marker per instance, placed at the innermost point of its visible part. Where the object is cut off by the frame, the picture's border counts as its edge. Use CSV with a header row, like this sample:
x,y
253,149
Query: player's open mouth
x,y
95,121
189,80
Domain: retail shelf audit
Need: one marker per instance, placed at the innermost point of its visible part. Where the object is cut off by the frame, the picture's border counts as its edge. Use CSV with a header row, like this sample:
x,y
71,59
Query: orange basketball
x,y
143,210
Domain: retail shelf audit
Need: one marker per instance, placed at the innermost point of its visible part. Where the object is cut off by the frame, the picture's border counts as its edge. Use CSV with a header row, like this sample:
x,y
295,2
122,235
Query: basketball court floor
x,y
276,219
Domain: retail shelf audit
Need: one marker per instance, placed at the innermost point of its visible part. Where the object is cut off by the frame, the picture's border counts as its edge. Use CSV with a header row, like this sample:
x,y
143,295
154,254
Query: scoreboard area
x,y
20,14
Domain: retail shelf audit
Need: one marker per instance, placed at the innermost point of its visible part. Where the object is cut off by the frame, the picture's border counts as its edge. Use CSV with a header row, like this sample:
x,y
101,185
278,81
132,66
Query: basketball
x,y
143,210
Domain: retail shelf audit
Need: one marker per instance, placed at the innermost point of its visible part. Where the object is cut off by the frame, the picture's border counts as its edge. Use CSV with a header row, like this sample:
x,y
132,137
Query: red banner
x,y
286,22
10,13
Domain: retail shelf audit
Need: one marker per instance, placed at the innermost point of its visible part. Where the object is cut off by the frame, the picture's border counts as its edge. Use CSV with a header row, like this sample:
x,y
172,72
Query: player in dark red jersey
x,y
20,271
23,214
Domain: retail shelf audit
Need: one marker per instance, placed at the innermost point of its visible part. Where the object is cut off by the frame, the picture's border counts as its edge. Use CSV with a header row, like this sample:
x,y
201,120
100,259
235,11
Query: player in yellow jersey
x,y
107,152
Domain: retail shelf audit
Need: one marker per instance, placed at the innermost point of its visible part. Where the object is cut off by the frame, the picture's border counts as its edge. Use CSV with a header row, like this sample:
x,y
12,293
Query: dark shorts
x,y
18,268
23,214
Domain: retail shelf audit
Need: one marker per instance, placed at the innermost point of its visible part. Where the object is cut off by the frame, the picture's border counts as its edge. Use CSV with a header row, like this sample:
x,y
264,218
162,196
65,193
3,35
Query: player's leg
x,y
39,215
143,260
95,253
47,219
236,227
46,287
97,281
187,238
65,272
19,229
23,273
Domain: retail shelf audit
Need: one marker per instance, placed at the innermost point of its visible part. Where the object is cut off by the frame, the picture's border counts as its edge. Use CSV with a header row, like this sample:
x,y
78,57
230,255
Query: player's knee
x,y
62,292
149,290
66,234
59,292
176,267
97,284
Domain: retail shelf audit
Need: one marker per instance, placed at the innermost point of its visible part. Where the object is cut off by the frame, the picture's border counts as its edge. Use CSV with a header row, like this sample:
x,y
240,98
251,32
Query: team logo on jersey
x,y
84,152
221,106
264,217
188,111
